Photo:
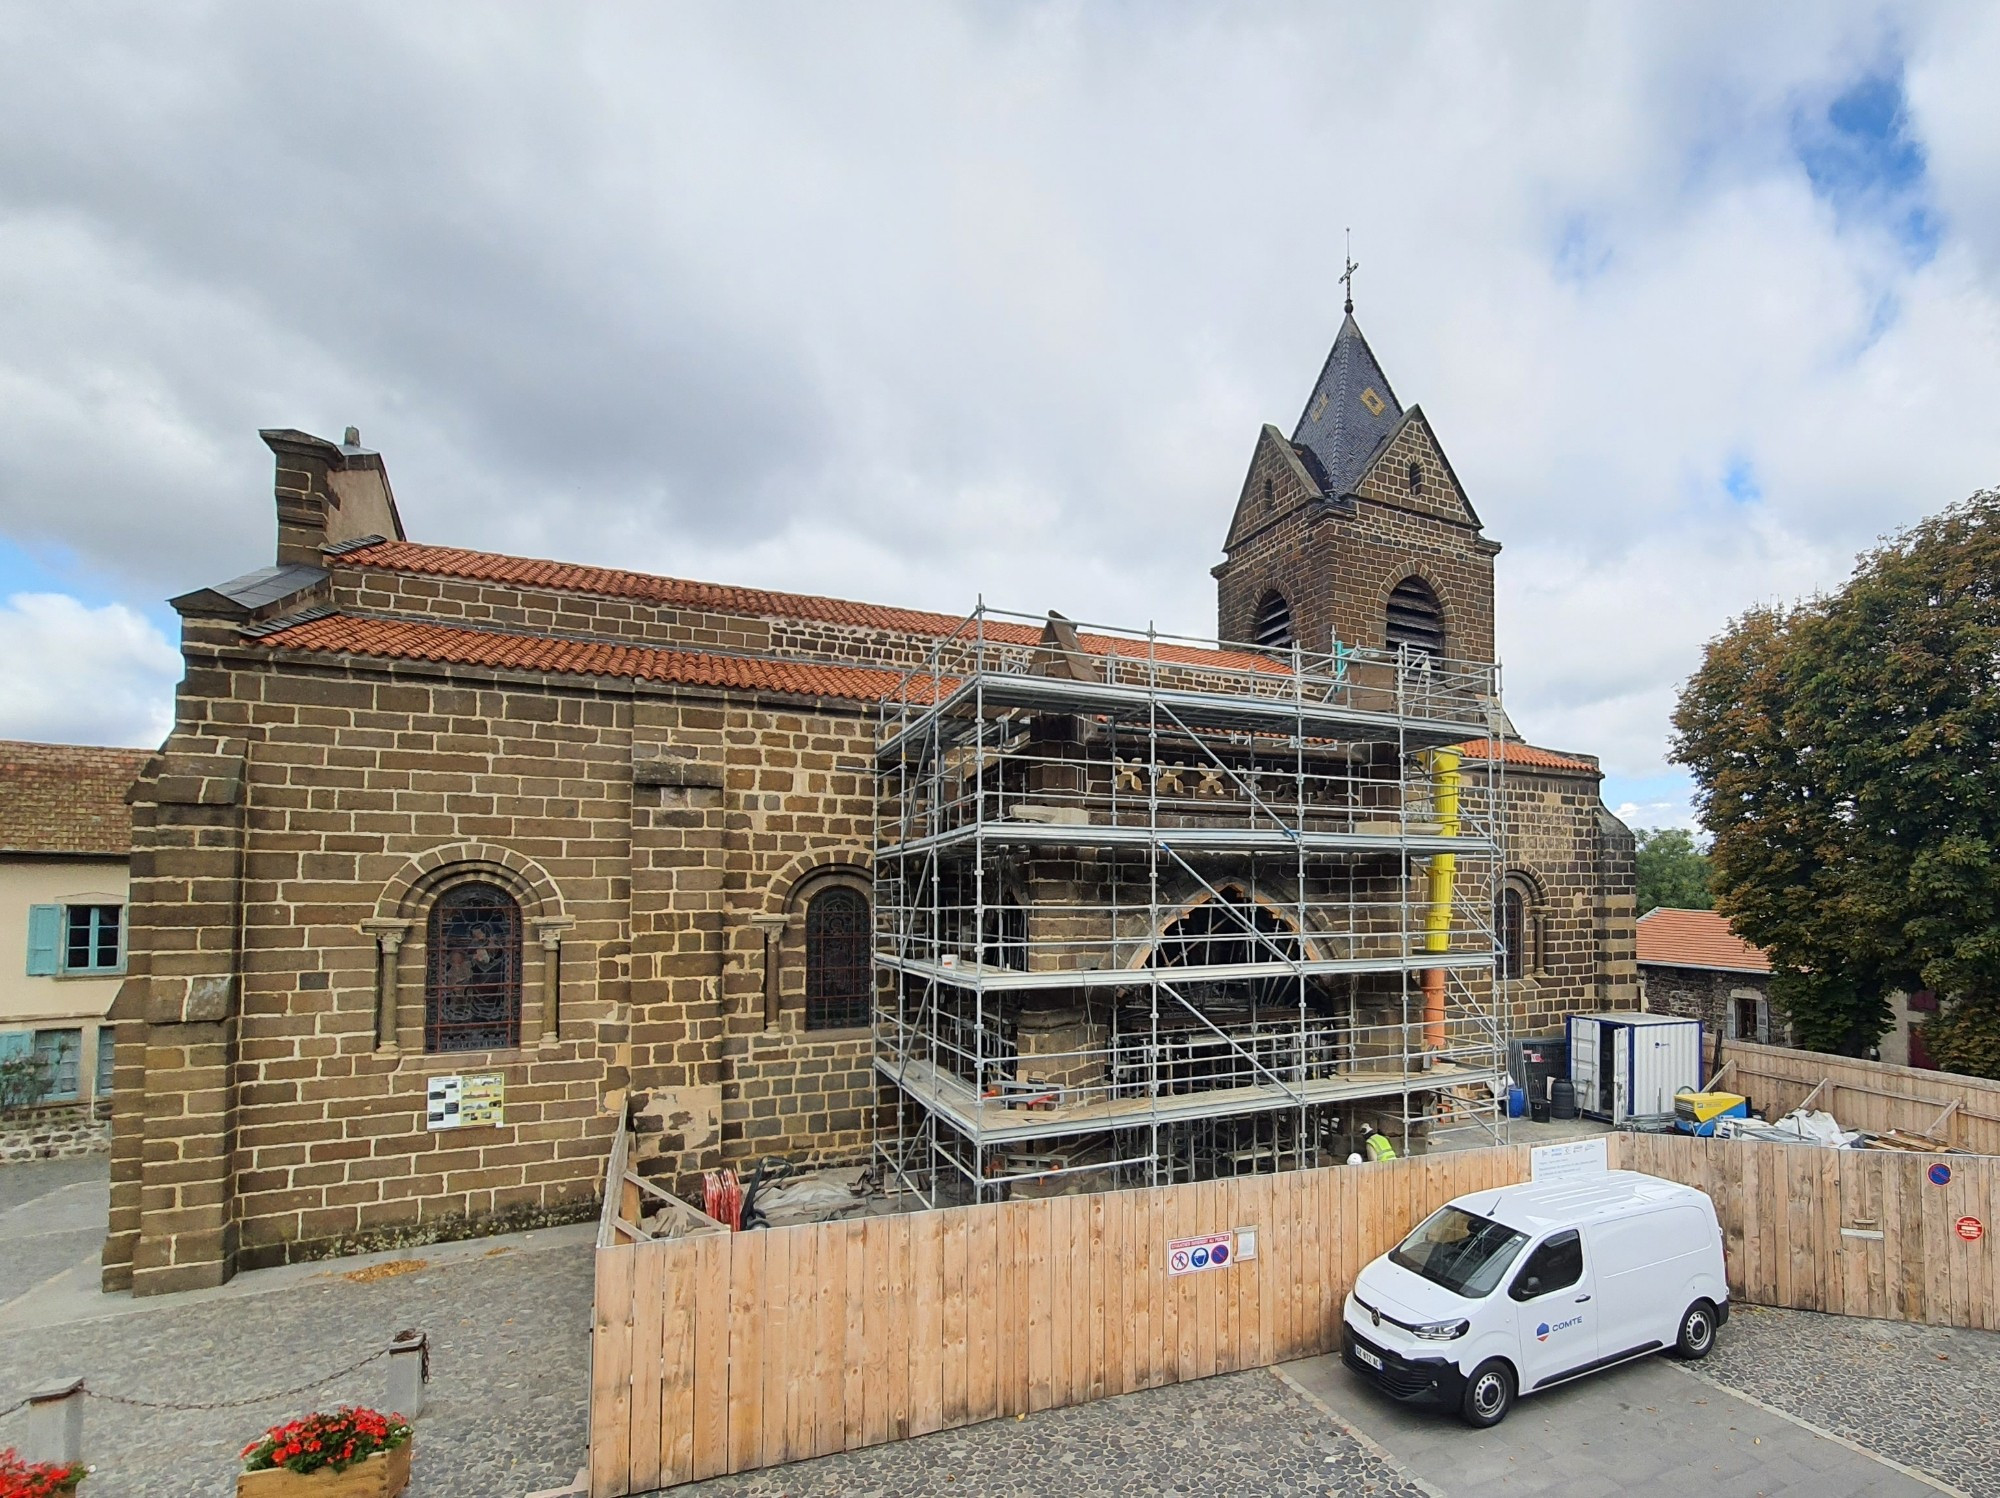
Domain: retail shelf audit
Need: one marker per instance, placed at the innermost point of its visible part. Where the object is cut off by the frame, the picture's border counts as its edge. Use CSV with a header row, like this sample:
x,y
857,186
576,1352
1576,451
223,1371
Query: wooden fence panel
x,y
728,1352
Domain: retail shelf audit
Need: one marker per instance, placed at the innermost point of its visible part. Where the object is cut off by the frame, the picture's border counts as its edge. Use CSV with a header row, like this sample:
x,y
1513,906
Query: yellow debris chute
x,y
1444,764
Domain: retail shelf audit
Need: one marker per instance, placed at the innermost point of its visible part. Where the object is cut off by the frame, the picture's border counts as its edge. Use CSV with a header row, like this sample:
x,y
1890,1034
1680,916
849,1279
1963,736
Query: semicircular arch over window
x,y
1274,622
472,970
1415,617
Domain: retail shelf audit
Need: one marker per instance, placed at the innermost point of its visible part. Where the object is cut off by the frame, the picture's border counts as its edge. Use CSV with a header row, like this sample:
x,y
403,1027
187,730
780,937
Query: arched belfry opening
x,y
1274,622
1415,618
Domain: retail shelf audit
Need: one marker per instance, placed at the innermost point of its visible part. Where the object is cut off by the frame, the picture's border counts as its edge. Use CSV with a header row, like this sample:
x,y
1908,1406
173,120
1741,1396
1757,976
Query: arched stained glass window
x,y
839,973
472,975
1513,933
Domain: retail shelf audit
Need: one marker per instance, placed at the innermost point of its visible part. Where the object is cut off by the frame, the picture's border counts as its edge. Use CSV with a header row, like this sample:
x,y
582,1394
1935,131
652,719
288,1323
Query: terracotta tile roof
x,y
1696,938
1526,756
66,798
397,639
672,592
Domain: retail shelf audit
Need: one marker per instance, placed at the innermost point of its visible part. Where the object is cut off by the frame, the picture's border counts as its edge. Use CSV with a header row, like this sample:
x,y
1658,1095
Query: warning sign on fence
x,y
1971,1229
1192,1255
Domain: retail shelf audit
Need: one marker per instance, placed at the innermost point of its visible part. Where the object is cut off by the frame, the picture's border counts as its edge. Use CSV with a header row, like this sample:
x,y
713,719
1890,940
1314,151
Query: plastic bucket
x,y
1517,1101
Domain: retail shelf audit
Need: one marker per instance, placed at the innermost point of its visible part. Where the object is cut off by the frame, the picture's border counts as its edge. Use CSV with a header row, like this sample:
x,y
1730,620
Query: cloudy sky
x,y
923,303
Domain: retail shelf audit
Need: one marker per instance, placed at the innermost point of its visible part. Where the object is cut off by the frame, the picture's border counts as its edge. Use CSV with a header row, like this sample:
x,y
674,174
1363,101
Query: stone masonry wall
x,y
1579,899
359,790
1336,560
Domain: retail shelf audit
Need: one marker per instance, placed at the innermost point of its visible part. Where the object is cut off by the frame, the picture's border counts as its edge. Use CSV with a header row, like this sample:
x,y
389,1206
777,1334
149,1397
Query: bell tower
x,y
1356,527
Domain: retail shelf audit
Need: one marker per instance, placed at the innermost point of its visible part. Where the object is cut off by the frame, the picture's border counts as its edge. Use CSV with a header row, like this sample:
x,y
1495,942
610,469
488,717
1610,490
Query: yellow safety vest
x,y
1379,1147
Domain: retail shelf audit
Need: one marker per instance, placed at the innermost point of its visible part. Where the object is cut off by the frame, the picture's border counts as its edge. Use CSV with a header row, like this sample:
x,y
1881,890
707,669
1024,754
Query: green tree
x,y
1672,871
1844,757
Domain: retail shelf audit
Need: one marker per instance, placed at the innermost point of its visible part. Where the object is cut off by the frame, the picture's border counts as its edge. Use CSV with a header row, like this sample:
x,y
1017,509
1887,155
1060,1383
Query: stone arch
x,y
792,885
1525,885
1142,958
399,927
780,923
1447,612
1274,627
417,883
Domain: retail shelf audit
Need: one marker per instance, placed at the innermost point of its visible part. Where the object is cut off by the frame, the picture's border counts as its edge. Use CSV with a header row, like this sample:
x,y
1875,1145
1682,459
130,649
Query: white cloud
x,y
72,674
918,303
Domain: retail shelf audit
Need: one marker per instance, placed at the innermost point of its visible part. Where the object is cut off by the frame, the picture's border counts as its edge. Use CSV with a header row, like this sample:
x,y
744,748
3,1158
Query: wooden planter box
x,y
383,1475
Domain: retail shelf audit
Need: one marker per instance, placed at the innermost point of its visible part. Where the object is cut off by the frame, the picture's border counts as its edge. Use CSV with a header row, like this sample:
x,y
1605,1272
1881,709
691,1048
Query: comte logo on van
x,y
1542,1332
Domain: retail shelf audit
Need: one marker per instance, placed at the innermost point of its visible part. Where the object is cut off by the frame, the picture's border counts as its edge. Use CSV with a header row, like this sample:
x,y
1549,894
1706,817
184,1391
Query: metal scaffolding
x,y
1151,909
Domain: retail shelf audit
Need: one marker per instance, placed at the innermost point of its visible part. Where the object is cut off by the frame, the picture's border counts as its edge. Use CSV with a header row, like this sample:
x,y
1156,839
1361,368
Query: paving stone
x,y
1240,1433
1926,1396
510,1360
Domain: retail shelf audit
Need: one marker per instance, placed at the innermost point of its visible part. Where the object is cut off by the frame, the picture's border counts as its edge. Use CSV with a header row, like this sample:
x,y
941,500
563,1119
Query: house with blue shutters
x,y
65,846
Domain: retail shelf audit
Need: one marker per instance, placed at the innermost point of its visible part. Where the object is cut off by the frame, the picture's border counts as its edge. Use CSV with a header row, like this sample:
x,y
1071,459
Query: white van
x,y
1512,1290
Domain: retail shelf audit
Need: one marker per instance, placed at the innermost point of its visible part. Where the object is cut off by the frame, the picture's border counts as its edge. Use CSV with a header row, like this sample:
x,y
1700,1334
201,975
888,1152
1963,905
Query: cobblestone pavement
x,y
509,1326
1241,1433
1926,1396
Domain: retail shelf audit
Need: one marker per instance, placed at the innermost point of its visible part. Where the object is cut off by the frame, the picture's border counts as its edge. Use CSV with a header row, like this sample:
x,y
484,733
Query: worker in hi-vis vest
x,y
1377,1144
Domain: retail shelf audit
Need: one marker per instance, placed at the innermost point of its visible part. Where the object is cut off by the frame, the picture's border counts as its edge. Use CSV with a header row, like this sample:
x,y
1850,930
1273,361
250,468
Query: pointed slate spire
x,y
1350,413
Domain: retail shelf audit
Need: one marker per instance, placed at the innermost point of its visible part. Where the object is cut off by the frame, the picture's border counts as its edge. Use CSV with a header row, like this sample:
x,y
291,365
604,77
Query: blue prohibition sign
x,y
1219,1254
1939,1174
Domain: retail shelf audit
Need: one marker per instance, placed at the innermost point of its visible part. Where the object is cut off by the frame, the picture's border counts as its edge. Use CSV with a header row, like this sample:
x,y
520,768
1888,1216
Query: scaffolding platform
x,y
1172,909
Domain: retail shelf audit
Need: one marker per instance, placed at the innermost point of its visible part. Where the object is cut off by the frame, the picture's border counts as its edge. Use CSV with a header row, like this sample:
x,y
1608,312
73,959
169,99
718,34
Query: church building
x,y
456,863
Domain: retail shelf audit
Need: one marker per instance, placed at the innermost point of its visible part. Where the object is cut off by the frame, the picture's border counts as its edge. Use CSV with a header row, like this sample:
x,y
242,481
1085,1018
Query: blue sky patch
x,y
1861,158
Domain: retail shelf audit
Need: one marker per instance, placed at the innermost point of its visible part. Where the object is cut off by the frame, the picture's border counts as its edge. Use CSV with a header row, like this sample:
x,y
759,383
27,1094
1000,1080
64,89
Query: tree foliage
x,y
1672,871
1844,757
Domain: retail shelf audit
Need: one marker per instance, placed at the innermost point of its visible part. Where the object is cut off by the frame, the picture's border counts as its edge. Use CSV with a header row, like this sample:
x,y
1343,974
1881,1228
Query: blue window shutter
x,y
15,1044
44,931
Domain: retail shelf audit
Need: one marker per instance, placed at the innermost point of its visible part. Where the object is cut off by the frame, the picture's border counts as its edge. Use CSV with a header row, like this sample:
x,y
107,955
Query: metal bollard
x,y
55,1424
409,1372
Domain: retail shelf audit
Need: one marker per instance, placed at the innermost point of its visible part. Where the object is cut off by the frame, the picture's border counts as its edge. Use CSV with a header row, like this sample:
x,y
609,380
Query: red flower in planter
x,y
338,1440
25,1479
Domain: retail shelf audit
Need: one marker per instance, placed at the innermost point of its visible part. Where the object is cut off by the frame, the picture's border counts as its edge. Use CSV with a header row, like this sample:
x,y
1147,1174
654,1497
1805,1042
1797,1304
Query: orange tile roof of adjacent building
x,y
67,798
1696,938
399,639
1526,756
673,592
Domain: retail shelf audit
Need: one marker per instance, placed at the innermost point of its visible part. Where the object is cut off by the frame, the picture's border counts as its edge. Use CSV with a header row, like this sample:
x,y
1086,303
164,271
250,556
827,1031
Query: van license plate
x,y
1368,1357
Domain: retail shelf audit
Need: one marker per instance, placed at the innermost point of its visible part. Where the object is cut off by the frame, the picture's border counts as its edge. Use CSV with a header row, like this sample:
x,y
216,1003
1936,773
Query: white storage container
x,y
1626,1064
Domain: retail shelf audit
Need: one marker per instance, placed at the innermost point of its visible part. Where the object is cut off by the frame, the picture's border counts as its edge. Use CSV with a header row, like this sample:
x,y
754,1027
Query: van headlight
x,y
1442,1331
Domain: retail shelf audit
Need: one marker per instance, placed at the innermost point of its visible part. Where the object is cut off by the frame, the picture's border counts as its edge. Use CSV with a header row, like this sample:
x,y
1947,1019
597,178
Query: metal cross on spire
x,y
1347,276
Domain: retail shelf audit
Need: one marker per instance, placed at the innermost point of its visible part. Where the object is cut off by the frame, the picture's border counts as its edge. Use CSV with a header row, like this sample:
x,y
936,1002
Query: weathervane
x,y
1347,276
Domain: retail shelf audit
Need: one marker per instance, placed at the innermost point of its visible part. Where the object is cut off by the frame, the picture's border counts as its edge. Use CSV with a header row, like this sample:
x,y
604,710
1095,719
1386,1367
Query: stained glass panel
x,y
472,982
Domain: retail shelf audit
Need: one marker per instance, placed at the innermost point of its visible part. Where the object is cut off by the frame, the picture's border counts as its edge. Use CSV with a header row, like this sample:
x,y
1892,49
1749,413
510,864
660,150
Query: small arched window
x,y
1270,493
1513,933
472,972
1274,622
1416,477
1415,619
838,967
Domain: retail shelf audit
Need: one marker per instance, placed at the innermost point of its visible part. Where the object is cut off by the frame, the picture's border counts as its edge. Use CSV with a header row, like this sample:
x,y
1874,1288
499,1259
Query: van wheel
x,y
1697,1331
1489,1394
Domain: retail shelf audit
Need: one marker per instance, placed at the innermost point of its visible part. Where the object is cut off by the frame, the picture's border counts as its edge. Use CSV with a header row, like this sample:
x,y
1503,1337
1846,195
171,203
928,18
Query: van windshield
x,y
1465,1254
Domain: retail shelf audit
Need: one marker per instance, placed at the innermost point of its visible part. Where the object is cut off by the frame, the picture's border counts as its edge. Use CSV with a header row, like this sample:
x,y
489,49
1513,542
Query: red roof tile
x,y
1526,756
67,798
672,592
397,639
1696,938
